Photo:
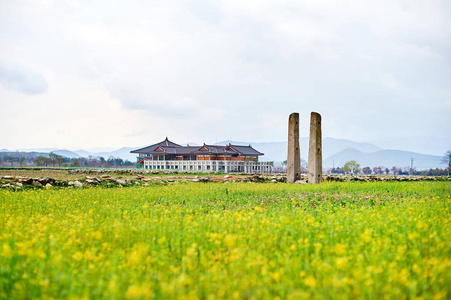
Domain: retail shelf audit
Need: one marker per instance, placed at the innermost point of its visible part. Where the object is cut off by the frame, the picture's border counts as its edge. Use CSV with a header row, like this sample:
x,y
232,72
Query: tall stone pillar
x,y
294,156
315,156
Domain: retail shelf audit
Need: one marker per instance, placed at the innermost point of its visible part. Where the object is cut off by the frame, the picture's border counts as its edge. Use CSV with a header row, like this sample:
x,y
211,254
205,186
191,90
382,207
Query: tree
x,y
352,167
447,159
56,159
10,159
395,170
22,160
366,170
42,160
378,170
74,162
60,160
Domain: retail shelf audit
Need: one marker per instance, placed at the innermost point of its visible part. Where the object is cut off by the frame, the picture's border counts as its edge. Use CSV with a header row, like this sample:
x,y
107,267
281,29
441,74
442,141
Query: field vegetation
x,y
228,240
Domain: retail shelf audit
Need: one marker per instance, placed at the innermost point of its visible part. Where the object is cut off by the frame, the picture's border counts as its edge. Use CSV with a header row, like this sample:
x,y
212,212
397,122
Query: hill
x,y
67,153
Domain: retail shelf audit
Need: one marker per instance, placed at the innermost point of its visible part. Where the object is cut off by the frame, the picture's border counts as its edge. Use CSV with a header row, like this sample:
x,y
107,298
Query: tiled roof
x,y
245,150
215,150
168,147
165,143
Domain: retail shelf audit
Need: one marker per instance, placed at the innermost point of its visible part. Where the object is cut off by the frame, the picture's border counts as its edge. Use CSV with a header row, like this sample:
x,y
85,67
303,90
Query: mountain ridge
x,y
335,153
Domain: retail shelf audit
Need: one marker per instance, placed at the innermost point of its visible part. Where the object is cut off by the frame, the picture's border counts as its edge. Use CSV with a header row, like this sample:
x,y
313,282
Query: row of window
x,y
185,157
199,168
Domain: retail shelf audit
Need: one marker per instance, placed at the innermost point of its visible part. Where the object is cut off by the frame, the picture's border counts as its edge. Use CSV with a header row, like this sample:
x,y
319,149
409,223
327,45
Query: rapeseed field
x,y
228,241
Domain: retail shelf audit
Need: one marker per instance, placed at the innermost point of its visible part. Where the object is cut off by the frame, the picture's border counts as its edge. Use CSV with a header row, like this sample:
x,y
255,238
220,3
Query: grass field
x,y
234,241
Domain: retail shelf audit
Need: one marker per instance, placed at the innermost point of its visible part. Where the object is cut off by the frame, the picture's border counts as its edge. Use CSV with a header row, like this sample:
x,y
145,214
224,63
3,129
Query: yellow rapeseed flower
x,y
77,256
139,292
7,251
340,249
310,281
341,263
230,240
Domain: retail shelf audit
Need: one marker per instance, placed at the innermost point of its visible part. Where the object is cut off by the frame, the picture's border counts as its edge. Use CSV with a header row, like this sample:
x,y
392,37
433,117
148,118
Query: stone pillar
x,y
315,156
294,156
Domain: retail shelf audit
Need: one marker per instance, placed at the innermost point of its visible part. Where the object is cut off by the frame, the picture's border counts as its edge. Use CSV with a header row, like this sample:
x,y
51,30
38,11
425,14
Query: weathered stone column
x,y
315,156
294,156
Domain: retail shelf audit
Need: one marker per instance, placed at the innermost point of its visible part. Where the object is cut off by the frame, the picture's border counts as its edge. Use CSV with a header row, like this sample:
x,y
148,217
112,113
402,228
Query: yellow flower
x,y
366,238
340,249
192,251
96,235
318,246
411,236
230,240
77,256
310,281
7,252
138,292
341,263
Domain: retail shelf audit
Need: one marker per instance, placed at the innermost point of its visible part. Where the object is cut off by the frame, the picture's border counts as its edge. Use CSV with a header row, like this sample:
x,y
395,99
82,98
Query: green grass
x,y
234,240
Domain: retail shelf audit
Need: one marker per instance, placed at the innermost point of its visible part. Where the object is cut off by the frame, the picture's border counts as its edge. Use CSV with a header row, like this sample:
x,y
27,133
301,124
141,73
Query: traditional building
x,y
167,155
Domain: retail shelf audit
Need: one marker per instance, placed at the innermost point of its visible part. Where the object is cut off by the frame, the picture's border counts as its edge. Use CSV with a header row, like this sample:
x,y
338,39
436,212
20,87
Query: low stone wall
x,y
113,180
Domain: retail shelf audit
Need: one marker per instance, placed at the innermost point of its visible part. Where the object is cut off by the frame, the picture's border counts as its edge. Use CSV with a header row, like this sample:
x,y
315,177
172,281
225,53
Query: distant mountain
x,y
277,151
5,150
226,142
83,153
123,153
386,158
332,146
335,152
67,153
40,150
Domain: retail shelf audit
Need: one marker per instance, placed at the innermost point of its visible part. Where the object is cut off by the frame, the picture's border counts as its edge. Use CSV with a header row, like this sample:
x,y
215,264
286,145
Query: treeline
x,y
22,159
355,169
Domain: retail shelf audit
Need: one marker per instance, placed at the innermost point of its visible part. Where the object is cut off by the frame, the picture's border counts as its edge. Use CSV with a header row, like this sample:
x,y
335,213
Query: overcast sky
x,y
109,74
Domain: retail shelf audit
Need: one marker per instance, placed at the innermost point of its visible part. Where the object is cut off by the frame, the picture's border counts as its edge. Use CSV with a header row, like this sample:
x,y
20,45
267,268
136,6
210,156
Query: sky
x,y
111,74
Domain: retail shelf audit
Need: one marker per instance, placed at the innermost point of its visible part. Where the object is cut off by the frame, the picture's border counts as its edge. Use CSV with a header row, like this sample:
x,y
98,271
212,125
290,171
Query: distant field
x,y
234,241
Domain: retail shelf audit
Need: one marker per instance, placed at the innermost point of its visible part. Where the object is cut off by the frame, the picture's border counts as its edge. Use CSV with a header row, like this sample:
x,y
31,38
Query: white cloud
x,y
21,79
